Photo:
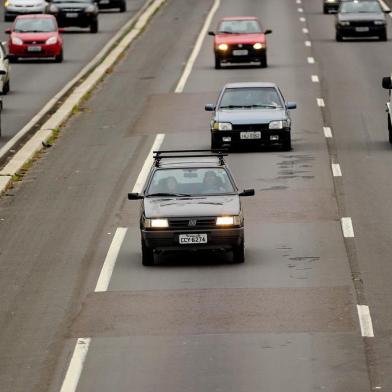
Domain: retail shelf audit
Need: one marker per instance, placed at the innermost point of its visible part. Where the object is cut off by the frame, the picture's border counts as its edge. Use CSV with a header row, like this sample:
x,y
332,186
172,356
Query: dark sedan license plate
x,y
190,239
240,52
34,48
361,29
250,135
71,14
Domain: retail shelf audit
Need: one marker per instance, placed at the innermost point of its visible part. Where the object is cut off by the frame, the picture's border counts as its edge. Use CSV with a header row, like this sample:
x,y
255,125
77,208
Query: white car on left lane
x,y
4,69
13,8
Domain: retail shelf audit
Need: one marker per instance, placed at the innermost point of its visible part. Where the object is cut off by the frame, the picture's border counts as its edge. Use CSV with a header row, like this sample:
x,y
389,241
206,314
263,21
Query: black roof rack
x,y
159,155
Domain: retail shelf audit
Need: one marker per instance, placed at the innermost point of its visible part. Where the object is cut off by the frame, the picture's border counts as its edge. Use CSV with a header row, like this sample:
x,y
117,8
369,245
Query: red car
x,y
35,36
240,40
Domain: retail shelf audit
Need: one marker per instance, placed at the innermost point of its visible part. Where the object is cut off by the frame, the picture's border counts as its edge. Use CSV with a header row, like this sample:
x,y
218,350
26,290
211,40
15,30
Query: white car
x,y
13,8
4,69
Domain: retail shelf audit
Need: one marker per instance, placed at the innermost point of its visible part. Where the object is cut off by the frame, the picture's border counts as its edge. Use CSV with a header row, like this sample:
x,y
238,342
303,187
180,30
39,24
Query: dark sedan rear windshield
x,y
44,25
250,97
360,6
190,182
239,26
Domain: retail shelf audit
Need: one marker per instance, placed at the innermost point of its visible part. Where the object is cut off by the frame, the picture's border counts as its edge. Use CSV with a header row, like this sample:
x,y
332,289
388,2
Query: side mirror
x,y
291,105
209,107
247,192
268,31
211,33
3,72
387,82
8,31
135,196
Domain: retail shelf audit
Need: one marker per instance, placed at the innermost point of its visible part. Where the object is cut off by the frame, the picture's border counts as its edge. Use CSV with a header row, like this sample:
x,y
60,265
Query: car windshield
x,y
71,1
239,27
39,25
190,182
360,6
250,97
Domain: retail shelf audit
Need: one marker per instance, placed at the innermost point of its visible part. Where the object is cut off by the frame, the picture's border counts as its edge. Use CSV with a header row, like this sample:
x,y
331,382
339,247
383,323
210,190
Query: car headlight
x,y
331,1
228,220
53,9
223,47
158,223
278,124
379,22
223,126
258,46
90,8
16,41
51,41
344,23
7,4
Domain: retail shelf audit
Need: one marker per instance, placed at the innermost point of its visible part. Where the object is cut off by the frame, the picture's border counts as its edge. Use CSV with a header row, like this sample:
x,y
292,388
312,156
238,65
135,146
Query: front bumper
x,y
267,137
168,240
45,51
352,31
251,56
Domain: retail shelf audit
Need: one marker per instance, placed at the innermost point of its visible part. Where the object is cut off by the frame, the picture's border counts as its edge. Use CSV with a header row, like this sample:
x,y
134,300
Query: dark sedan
x,y
361,19
109,4
330,6
251,114
75,13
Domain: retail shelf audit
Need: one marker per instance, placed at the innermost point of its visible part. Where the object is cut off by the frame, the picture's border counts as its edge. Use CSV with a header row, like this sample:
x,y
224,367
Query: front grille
x,y
192,223
362,23
250,127
34,42
78,10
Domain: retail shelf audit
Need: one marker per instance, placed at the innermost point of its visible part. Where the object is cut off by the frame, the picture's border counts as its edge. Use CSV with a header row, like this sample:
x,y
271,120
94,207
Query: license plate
x,y
34,48
190,239
250,135
361,29
242,52
71,14
274,137
104,2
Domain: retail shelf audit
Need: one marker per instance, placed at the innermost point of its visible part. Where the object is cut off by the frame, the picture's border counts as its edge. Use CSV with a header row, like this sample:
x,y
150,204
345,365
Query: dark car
x,y
109,4
191,202
361,19
251,114
75,13
387,84
331,6
240,40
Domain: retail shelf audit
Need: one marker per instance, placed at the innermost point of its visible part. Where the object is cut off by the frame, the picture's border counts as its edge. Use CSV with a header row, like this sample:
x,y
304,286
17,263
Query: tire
x,y
287,145
383,36
94,27
8,18
239,253
339,37
123,7
263,61
6,87
12,59
214,143
217,63
147,255
389,129
59,58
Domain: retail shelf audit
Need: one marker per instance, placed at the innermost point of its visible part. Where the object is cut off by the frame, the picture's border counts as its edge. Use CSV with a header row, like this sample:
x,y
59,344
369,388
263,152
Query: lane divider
x,y
336,170
315,79
347,227
327,132
300,10
365,321
302,19
311,60
196,49
305,30
308,44
320,102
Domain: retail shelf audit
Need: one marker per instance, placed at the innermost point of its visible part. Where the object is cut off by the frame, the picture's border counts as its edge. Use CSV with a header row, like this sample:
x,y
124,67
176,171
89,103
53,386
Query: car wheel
x,y
287,145
325,10
123,7
214,143
7,18
383,36
263,61
12,59
239,253
59,58
389,129
217,63
147,255
339,37
6,87
94,27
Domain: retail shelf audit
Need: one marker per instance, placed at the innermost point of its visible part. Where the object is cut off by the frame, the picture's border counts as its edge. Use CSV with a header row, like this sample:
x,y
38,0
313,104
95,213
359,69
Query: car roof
x,y
240,18
250,84
35,16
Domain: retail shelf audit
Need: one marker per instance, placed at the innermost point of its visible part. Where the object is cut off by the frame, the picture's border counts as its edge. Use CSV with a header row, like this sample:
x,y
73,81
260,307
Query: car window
x,y
25,25
239,26
262,97
360,6
194,181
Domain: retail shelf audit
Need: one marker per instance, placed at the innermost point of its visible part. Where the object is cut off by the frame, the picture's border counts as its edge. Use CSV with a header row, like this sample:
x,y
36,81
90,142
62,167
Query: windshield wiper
x,y
263,106
232,107
168,194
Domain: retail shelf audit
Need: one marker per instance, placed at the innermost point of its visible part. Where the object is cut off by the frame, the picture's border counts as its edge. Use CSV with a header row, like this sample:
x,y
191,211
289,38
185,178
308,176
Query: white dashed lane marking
x,y
365,321
305,30
320,102
308,43
347,227
302,19
336,170
311,60
327,132
315,79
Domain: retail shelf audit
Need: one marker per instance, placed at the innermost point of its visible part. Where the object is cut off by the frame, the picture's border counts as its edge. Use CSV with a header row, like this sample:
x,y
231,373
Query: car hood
x,y
361,16
26,3
34,36
164,207
239,38
251,116
69,5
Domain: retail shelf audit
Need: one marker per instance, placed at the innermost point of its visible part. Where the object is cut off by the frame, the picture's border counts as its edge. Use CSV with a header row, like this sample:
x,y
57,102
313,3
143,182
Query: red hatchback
x,y
35,36
240,40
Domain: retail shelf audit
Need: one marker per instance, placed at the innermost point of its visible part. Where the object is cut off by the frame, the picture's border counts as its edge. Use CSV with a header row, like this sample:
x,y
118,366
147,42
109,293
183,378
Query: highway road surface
x,y
311,308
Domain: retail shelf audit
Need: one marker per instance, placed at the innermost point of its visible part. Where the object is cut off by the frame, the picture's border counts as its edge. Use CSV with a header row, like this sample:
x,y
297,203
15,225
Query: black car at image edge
x,y
190,202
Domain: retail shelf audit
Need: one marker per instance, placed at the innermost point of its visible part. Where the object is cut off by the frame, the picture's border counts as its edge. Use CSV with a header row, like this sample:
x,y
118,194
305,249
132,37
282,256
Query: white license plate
x,y
250,135
242,52
190,239
71,14
274,137
362,29
104,2
34,48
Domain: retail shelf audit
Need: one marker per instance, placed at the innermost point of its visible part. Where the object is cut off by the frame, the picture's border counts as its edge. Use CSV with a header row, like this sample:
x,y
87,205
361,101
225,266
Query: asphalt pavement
x,y
285,320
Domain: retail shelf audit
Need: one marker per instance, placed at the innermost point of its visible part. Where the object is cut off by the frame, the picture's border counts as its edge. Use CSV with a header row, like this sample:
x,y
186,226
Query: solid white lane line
x,y
327,132
337,172
347,227
308,43
384,6
138,187
300,10
75,368
305,30
320,102
311,60
196,49
110,260
315,79
302,19
365,321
